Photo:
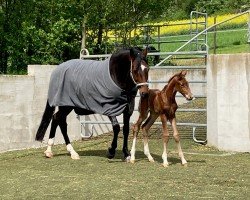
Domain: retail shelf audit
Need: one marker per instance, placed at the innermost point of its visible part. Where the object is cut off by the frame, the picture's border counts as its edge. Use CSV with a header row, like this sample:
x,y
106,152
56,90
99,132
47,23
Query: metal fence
x,y
197,52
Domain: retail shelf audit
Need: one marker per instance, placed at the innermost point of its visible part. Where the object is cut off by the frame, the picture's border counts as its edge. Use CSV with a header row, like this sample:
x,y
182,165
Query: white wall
x,y
228,102
23,100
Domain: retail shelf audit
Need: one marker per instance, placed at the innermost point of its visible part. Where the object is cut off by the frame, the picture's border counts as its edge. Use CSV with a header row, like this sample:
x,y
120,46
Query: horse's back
x,y
86,84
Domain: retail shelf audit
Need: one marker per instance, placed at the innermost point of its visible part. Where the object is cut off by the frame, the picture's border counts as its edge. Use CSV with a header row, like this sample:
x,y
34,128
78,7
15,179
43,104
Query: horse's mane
x,y
127,48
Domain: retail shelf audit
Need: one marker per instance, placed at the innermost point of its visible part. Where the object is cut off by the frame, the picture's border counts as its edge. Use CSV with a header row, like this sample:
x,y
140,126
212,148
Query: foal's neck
x,y
169,91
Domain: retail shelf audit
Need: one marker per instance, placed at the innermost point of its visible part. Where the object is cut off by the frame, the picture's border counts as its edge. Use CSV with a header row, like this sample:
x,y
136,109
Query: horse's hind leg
x,y
61,117
177,140
48,153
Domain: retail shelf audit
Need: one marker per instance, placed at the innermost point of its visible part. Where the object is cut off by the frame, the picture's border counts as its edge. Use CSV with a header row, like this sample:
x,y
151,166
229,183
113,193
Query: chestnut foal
x,y
161,103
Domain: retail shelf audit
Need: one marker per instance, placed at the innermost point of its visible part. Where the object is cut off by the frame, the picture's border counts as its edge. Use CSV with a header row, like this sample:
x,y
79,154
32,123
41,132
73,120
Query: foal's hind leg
x,y
145,128
135,129
177,140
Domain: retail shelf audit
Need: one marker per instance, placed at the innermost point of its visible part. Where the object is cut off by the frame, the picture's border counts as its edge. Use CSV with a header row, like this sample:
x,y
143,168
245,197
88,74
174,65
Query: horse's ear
x,y
132,54
145,52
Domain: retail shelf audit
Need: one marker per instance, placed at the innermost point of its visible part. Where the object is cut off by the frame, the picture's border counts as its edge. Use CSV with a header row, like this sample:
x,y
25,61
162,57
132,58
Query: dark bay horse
x,y
161,103
105,87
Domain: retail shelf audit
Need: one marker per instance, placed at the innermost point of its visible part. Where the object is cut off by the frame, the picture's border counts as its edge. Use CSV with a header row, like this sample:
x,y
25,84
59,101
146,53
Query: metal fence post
x,y
248,28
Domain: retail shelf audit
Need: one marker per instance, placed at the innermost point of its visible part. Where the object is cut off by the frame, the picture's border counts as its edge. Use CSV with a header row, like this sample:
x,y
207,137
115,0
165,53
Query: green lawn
x,y
234,41
210,174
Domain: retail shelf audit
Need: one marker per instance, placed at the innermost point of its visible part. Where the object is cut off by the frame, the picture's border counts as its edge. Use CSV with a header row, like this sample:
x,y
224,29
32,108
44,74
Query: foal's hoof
x,y
48,154
151,160
184,164
75,156
110,153
132,161
165,165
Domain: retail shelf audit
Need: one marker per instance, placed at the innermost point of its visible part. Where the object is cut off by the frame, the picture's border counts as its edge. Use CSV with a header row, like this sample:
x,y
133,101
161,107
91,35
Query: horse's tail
x,y
47,116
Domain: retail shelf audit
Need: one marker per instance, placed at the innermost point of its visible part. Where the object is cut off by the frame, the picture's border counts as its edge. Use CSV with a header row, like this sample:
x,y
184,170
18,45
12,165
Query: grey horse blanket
x,y
86,84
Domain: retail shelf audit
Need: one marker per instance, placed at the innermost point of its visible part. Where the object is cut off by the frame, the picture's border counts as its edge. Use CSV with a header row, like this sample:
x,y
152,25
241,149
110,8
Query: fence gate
x,y
191,117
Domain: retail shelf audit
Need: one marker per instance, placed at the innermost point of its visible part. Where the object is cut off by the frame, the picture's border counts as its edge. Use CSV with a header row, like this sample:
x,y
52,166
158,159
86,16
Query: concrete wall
x,y
22,102
23,99
228,102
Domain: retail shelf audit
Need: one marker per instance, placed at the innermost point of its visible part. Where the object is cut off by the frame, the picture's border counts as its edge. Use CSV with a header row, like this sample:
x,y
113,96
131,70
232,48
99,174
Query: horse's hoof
x,y
127,159
110,154
75,156
132,161
151,160
165,165
48,154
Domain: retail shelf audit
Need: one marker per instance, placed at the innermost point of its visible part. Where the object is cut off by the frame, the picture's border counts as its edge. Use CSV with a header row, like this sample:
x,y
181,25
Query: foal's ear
x,y
183,73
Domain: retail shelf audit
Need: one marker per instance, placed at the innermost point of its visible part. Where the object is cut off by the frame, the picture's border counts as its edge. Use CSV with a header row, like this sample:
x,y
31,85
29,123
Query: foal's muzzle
x,y
189,97
143,90
144,95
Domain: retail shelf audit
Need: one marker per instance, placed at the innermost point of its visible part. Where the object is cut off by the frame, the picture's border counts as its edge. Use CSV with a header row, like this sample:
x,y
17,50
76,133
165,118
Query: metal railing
x,y
169,55
205,30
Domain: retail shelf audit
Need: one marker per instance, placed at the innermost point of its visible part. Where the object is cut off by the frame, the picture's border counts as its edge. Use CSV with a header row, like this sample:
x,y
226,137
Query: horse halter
x,y
132,77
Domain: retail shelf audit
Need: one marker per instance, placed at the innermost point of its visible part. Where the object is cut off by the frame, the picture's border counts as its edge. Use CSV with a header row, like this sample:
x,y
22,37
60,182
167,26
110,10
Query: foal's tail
x,y
47,116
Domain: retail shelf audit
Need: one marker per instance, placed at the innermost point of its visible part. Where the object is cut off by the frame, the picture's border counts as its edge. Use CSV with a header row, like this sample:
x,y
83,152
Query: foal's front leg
x,y
136,127
165,138
177,140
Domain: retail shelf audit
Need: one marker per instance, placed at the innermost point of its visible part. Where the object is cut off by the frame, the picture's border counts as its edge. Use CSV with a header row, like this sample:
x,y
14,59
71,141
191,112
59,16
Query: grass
x,y
210,174
232,41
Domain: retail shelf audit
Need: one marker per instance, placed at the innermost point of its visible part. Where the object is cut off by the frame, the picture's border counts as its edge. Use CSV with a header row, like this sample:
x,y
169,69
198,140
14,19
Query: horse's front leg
x,y
126,118
177,140
116,130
